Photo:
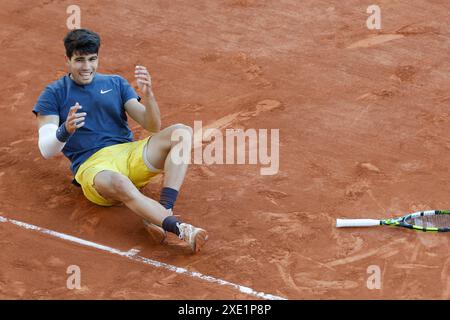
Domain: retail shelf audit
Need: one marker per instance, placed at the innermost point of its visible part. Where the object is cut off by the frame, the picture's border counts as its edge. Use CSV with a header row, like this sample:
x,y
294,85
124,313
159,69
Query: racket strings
x,y
433,221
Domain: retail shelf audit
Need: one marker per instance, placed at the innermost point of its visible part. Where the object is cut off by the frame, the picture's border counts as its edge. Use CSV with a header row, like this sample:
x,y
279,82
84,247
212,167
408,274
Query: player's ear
x,y
67,59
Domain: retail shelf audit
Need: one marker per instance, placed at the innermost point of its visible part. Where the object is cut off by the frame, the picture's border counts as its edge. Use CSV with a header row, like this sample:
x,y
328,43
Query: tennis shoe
x,y
195,237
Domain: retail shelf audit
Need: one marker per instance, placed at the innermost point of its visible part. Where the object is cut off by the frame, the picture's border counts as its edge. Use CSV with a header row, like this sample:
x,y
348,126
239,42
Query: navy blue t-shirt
x,y
106,121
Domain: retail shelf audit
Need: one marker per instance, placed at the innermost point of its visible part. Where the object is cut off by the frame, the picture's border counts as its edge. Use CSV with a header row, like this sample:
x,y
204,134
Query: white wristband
x,y
49,145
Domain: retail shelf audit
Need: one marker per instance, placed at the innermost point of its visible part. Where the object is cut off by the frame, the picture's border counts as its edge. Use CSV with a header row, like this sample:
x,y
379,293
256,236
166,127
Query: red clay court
x,y
363,118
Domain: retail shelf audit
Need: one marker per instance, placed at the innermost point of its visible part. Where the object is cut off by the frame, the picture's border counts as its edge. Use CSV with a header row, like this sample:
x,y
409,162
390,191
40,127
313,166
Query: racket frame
x,y
396,222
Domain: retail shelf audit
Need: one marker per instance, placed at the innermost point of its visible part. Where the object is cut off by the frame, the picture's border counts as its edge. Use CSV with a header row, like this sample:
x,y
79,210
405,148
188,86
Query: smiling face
x,y
82,67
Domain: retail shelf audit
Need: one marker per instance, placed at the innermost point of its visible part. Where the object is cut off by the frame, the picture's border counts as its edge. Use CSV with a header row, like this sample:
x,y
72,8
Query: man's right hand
x,y
75,120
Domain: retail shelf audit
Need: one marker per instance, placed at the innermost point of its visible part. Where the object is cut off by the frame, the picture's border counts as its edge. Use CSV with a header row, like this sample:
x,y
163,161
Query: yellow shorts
x,y
124,158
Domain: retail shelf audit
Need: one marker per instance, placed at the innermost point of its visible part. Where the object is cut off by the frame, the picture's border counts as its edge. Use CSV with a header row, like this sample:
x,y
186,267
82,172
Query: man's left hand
x,y
144,81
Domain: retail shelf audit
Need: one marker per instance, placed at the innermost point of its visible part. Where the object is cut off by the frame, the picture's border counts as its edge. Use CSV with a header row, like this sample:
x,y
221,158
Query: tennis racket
x,y
429,221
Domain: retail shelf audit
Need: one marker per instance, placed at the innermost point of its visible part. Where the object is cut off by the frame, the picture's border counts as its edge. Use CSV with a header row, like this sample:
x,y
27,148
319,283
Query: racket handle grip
x,y
357,223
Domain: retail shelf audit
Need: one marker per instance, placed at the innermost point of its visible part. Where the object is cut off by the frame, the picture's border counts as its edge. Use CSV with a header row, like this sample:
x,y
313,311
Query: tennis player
x,y
84,115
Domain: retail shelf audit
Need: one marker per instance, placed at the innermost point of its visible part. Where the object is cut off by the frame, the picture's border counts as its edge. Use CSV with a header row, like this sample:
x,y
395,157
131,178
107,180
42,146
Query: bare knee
x,y
169,136
161,144
123,188
116,187
181,126
181,133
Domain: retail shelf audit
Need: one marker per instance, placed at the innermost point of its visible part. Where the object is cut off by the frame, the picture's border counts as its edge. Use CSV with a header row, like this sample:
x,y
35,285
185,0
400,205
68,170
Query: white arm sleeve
x,y
49,145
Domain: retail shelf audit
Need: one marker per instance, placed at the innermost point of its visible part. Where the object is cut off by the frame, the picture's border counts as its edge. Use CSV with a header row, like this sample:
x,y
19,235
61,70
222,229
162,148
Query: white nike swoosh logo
x,y
103,92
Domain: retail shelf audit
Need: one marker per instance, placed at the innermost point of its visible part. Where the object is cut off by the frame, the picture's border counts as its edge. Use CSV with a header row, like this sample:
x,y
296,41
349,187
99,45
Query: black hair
x,y
81,41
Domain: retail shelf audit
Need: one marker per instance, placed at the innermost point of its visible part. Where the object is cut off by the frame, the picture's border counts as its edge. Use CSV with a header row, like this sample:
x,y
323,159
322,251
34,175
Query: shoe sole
x,y
201,236
156,234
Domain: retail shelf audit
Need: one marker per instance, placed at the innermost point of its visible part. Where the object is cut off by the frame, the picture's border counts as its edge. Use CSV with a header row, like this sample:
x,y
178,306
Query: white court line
x,y
132,255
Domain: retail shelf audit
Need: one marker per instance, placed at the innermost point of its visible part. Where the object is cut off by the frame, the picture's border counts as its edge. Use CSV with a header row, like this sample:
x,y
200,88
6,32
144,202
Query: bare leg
x,y
115,186
160,153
